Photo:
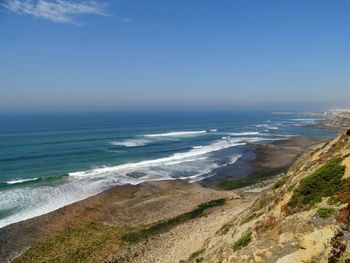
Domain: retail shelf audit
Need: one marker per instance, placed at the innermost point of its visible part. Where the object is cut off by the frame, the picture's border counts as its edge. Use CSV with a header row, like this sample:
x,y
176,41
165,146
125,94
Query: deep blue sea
x,y
48,160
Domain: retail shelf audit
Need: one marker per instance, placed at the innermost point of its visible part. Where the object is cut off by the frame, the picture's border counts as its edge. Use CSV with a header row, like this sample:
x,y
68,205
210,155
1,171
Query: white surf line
x,y
21,180
179,133
175,157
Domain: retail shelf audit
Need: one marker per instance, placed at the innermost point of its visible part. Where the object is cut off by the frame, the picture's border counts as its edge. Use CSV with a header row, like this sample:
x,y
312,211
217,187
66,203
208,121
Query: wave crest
x,y
131,142
194,152
176,134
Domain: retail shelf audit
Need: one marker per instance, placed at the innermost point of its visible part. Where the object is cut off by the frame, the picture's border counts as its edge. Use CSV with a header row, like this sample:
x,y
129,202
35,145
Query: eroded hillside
x,y
304,217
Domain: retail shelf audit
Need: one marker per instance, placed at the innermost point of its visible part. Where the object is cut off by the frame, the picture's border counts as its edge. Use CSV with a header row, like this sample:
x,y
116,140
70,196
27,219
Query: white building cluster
x,y
337,111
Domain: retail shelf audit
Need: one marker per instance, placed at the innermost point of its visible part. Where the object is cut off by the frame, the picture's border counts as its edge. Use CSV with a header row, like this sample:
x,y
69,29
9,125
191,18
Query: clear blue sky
x,y
174,54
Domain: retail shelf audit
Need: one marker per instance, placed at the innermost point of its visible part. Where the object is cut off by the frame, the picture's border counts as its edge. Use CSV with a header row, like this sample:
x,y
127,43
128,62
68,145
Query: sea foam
x,y
131,142
19,181
216,146
243,133
142,140
176,134
35,201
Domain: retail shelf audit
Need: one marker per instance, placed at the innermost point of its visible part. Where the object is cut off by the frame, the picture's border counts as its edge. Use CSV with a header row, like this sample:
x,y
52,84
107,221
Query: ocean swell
x,y
216,146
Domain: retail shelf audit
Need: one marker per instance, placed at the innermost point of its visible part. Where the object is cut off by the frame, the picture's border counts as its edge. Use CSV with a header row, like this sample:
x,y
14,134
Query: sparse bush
x,y
280,183
325,181
224,230
264,200
196,254
333,201
243,241
251,217
291,187
325,212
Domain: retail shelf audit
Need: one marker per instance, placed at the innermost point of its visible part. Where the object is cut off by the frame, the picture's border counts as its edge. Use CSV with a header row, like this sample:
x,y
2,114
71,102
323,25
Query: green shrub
x,y
243,241
251,217
325,212
196,254
166,225
324,182
291,187
225,229
280,183
333,201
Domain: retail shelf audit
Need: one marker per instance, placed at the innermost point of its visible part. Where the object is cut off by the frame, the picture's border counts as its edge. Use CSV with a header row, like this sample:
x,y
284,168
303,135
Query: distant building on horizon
x,y
337,111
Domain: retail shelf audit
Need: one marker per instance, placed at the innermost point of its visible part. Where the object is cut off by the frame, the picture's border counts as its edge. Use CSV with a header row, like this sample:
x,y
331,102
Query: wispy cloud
x,y
61,11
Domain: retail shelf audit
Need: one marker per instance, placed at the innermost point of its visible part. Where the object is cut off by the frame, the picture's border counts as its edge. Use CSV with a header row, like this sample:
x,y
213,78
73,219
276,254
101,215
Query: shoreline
x,y
149,197
127,206
263,160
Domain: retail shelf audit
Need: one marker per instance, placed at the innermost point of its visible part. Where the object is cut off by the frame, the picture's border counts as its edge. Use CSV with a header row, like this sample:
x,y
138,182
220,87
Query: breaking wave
x,y
146,139
194,152
131,142
176,134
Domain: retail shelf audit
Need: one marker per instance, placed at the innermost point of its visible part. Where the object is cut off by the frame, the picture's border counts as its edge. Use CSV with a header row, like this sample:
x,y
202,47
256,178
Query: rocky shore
x,y
92,230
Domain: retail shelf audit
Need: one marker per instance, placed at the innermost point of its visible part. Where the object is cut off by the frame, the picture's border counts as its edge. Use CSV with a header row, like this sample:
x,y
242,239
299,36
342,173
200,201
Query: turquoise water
x,y
51,160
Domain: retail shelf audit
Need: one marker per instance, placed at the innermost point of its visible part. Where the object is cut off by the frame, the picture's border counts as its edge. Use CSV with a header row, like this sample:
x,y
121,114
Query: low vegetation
x,y
236,184
325,212
280,183
231,184
196,256
225,229
243,241
333,201
86,243
251,217
166,225
325,181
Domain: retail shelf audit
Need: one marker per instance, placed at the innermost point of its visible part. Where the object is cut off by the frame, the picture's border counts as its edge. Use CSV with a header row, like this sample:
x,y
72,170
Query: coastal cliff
x,y
303,217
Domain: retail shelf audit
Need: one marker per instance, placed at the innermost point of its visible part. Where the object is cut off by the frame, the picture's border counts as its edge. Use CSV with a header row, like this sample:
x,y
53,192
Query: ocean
x,y
49,160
